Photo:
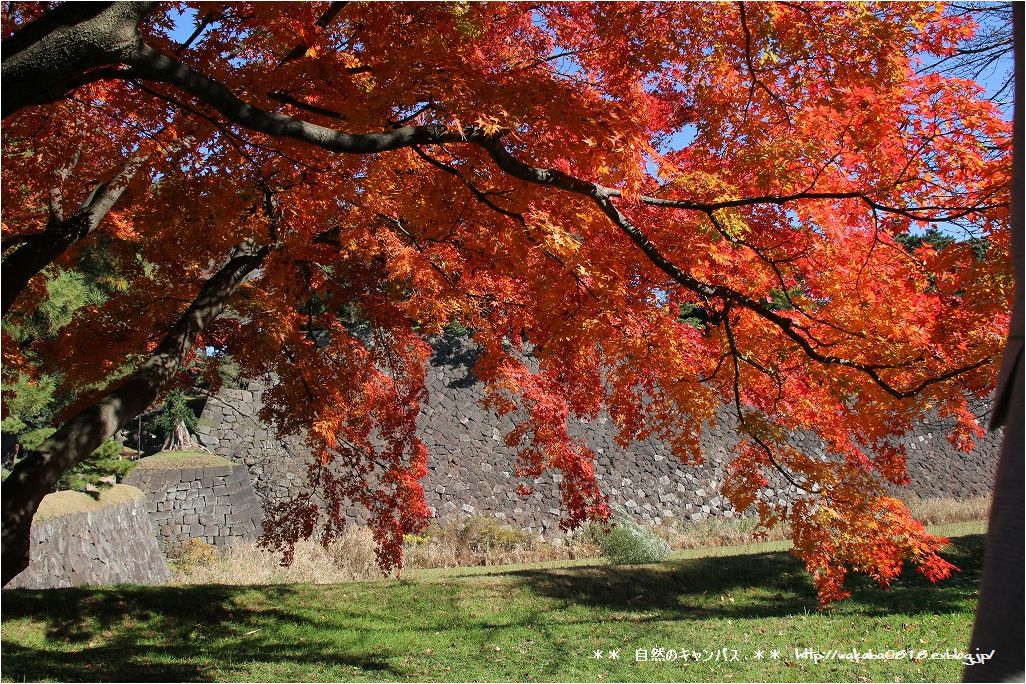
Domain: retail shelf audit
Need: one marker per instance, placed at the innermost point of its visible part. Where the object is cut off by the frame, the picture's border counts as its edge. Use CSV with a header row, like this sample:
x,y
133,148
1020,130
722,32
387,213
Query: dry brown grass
x,y
66,502
351,557
479,541
482,541
944,511
717,532
348,558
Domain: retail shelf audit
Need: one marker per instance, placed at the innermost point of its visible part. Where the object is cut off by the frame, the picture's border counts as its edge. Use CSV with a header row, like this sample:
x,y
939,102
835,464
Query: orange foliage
x,y
758,149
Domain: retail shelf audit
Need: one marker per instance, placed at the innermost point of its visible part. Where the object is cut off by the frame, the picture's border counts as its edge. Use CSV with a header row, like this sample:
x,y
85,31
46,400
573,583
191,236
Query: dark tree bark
x,y
34,477
46,61
1000,612
65,14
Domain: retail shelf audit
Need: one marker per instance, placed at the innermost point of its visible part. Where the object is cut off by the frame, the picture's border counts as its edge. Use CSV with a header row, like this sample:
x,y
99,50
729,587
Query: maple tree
x,y
573,180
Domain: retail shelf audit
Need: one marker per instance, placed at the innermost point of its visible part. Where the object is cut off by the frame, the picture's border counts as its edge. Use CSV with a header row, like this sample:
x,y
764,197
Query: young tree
x,y
176,420
570,176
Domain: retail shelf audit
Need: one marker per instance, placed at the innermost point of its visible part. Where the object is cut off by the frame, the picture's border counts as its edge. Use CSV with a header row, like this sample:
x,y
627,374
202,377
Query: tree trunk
x,y
180,439
35,476
1000,612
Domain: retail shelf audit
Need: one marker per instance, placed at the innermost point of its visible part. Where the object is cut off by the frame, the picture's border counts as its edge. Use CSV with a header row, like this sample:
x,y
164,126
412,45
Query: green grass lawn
x,y
533,623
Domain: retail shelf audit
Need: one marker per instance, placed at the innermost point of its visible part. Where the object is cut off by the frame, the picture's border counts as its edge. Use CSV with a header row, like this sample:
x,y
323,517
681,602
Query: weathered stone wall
x,y
112,545
472,470
215,504
229,426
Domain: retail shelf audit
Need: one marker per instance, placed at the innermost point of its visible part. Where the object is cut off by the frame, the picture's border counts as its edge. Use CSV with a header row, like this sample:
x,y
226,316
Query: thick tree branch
x,y
64,14
300,48
37,251
53,59
483,198
201,26
34,477
149,63
753,72
289,99
735,354
153,65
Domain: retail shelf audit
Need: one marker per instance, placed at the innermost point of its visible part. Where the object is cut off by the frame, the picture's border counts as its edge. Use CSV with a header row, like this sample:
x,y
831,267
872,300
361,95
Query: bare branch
x,y
300,49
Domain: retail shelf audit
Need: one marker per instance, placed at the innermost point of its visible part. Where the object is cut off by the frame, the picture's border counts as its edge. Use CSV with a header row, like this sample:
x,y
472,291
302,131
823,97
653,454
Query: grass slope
x,y
66,502
532,624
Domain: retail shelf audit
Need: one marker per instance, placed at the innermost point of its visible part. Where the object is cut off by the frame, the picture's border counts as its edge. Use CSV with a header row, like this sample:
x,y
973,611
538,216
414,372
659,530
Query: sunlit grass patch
x,y
533,623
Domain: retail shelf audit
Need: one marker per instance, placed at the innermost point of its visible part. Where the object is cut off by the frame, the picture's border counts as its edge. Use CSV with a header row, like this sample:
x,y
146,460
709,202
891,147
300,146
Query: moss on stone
x,y
67,502
174,460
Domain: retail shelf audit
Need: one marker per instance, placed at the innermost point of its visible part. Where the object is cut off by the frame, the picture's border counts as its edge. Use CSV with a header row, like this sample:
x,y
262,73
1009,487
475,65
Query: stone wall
x,y
229,427
112,545
215,504
472,470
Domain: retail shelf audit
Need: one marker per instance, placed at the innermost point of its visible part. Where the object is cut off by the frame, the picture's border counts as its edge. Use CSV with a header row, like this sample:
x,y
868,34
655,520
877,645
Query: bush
x,y
195,555
99,470
174,411
624,542
482,534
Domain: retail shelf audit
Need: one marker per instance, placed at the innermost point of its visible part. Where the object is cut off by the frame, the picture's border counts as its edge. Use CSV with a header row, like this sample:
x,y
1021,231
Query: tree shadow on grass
x,y
362,631
196,633
912,593
767,585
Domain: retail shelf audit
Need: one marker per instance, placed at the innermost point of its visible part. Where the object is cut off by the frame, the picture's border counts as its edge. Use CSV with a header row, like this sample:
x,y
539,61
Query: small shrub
x,y
415,540
174,411
482,534
100,469
196,555
624,542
